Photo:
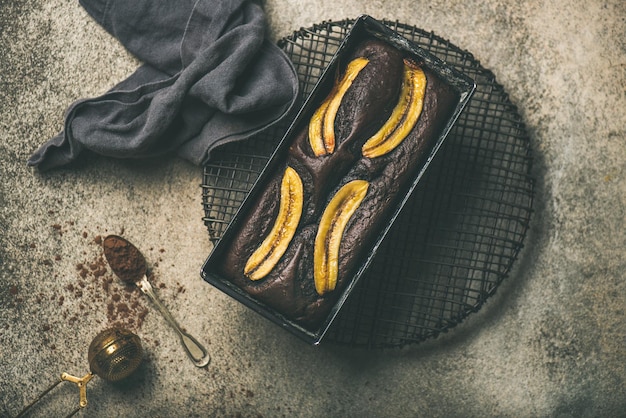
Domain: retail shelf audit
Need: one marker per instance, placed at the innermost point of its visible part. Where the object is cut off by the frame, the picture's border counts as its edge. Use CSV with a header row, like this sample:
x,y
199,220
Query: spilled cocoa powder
x,y
124,303
91,295
93,288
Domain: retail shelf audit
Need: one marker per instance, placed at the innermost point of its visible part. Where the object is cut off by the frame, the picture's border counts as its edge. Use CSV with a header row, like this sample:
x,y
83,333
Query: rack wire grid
x,y
455,240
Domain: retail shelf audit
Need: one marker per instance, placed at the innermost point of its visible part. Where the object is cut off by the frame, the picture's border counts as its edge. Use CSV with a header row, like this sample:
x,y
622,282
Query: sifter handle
x,y
41,395
81,382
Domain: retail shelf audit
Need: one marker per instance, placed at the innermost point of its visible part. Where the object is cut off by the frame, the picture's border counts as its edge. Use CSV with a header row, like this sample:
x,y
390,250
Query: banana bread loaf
x,y
348,165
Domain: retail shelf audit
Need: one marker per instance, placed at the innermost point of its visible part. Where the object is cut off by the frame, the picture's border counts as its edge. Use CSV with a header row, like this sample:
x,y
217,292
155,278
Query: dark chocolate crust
x,y
289,288
375,93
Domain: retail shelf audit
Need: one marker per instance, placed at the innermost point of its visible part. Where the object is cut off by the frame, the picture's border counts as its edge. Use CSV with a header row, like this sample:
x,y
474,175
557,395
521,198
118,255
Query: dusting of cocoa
x,y
14,291
94,286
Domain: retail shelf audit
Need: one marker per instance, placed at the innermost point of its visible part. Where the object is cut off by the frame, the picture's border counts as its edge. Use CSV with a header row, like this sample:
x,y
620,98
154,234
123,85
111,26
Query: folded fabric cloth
x,y
209,76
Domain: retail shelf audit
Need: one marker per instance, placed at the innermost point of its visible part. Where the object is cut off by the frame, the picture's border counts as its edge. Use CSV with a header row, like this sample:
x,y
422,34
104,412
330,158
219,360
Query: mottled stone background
x,y
552,342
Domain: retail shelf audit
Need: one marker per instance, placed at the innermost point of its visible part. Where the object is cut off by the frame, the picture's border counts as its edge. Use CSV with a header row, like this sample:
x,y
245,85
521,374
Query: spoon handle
x,y
196,351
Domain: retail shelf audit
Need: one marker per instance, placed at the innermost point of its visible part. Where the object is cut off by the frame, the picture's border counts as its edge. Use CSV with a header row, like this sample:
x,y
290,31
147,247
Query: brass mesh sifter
x,y
113,354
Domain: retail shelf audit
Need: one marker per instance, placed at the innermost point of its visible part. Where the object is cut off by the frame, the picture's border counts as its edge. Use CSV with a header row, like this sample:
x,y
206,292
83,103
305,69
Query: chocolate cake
x,y
348,164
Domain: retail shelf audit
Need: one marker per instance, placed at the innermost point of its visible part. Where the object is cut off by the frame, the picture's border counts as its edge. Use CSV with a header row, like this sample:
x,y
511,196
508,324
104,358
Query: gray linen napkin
x,y
209,76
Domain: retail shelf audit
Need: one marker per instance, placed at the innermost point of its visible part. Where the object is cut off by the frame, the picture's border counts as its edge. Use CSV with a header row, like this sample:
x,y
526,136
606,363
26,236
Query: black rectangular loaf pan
x,y
364,27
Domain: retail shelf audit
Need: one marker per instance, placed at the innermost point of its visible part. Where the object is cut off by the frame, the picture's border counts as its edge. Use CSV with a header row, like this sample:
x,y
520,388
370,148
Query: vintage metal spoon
x,y
114,354
129,265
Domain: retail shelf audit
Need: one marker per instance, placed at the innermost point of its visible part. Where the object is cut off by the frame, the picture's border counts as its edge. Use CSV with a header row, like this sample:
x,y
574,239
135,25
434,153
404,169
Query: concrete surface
x,y
551,343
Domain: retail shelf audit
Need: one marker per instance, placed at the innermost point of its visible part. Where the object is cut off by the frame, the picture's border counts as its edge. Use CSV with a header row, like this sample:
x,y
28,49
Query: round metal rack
x,y
458,236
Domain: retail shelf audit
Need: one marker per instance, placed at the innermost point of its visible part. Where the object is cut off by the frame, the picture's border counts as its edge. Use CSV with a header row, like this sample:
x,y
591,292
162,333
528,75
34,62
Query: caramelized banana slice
x,y
316,138
332,224
403,117
322,123
263,260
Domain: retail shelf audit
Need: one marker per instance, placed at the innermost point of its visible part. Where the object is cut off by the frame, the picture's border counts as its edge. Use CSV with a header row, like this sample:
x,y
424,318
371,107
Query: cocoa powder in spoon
x,y
124,258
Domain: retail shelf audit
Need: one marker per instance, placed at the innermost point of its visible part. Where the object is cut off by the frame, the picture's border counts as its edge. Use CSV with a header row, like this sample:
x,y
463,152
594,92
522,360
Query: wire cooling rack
x,y
460,233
